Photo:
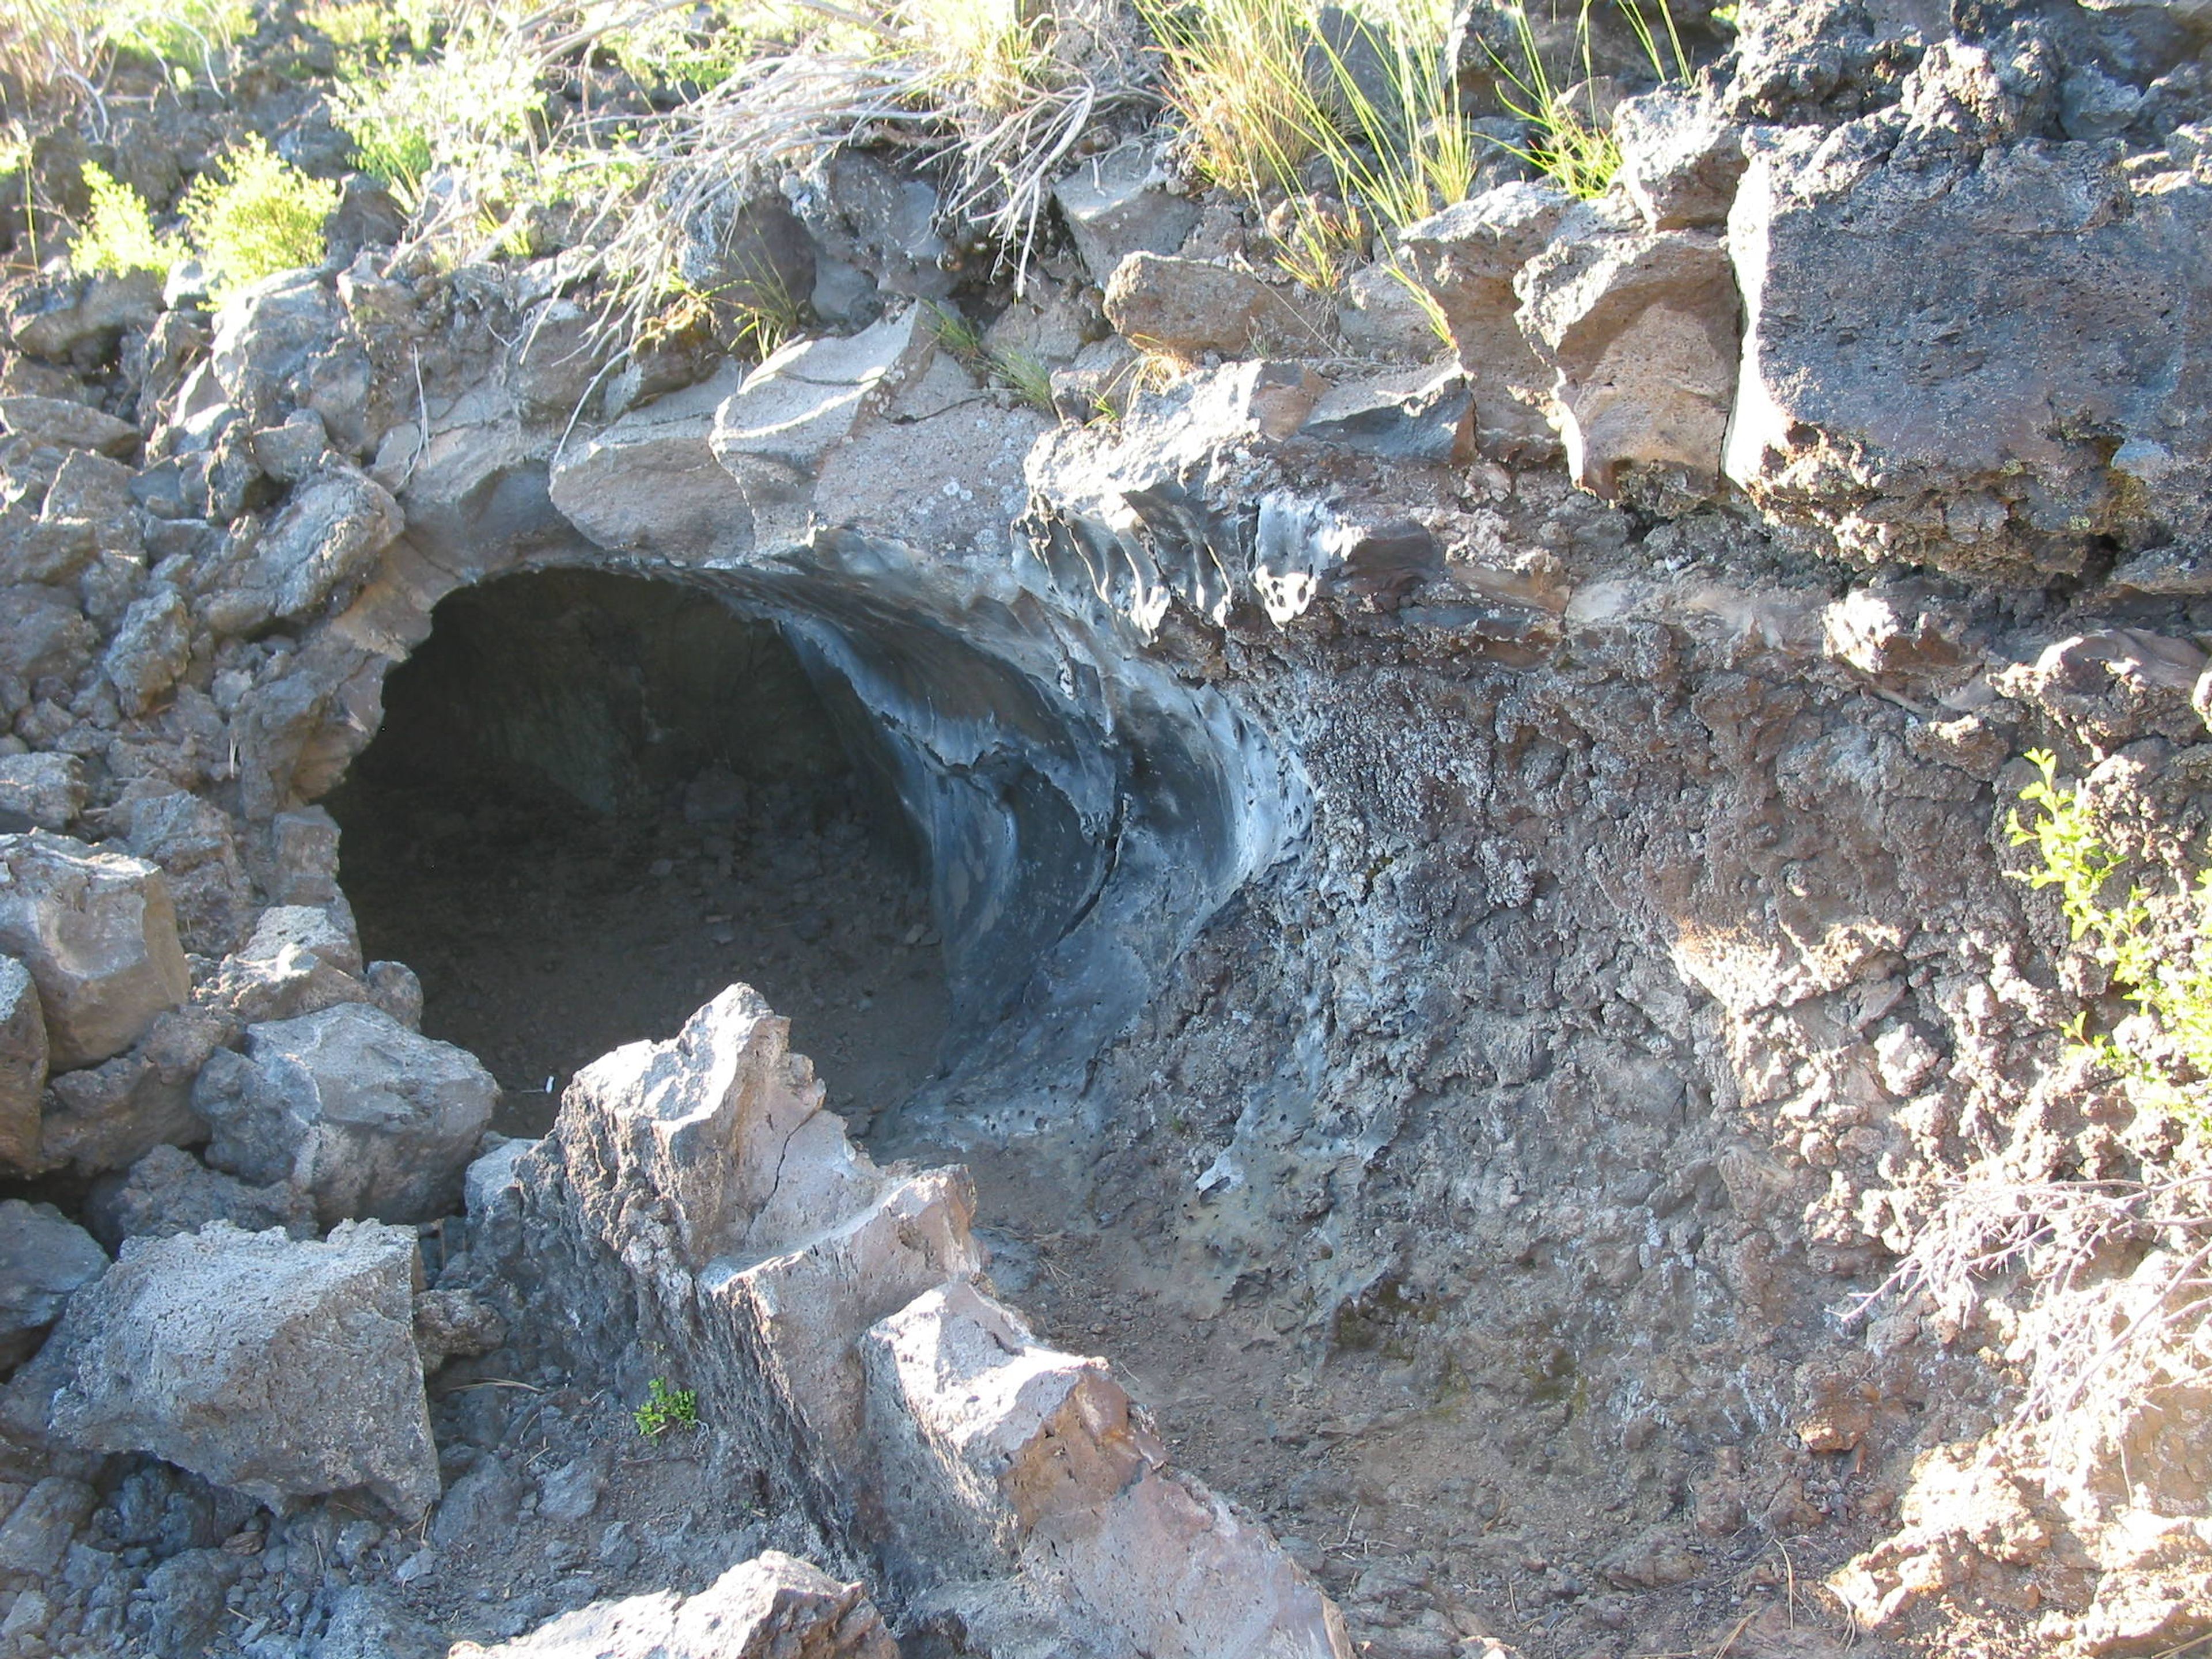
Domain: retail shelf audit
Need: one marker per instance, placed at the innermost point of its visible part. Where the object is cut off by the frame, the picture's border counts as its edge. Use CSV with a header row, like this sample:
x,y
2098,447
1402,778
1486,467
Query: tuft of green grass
x,y
119,235
254,214
185,34
1575,146
666,1408
2163,973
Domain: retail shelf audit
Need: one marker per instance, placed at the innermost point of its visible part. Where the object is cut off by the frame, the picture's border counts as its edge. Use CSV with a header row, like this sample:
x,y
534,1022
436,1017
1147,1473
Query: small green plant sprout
x,y
666,1408
2162,970
119,235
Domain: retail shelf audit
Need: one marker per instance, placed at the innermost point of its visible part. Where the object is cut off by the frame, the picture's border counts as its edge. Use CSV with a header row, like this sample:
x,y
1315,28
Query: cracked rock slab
x,y
773,1607
280,1367
99,935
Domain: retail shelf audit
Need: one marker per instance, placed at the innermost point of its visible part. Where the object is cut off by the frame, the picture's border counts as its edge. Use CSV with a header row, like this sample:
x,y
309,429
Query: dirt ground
x,y
546,935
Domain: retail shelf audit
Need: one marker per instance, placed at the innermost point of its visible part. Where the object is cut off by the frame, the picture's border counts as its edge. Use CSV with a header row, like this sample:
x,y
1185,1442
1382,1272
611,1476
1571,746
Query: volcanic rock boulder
x,y
1037,1457
350,1107
1467,258
22,1066
1160,302
773,1607
1639,328
170,1191
48,790
775,431
192,841
695,1203
98,934
321,549
1118,204
44,1259
650,484
280,1367
1950,353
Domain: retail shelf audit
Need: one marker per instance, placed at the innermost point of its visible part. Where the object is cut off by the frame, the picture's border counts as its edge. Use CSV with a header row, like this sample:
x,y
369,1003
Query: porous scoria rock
x,y
366,1116
1467,258
44,1259
773,1607
1187,307
1000,1452
280,1367
1945,359
97,933
22,1066
1639,328
170,1191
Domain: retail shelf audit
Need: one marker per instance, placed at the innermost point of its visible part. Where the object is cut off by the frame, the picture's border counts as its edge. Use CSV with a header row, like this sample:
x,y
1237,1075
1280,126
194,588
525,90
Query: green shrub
x,y
473,109
261,216
119,234
2161,970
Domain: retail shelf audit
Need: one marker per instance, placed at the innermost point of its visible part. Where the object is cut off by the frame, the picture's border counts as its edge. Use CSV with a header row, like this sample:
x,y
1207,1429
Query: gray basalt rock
x,y
287,342
1945,359
1187,307
193,842
97,932
107,1116
43,635
36,1535
774,433
170,1191
44,1259
650,483
1117,204
66,425
280,1367
366,1116
48,789
319,550
53,324
22,1066
149,651
773,1607
1411,415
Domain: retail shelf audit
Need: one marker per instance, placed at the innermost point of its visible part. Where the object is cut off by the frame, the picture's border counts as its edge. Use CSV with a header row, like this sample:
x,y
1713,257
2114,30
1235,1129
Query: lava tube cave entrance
x,y
596,799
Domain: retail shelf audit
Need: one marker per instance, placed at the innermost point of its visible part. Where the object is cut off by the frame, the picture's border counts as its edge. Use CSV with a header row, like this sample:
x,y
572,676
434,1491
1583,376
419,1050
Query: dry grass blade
x,y
2120,1302
50,49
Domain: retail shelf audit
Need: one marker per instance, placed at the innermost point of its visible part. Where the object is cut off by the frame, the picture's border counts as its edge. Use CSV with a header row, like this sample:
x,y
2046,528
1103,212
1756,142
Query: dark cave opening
x,y
596,799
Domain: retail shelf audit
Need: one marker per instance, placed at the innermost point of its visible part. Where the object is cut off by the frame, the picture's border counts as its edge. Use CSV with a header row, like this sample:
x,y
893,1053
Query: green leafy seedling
x,y
666,1408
